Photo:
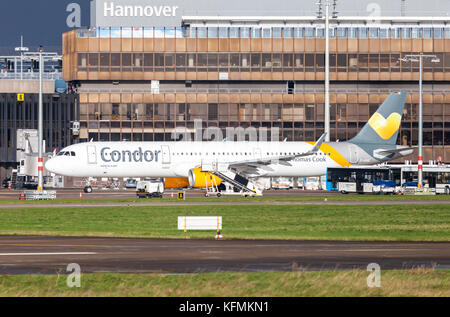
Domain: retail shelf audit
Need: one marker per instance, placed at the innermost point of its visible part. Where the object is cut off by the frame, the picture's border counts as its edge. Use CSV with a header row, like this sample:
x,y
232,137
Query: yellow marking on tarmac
x,y
334,154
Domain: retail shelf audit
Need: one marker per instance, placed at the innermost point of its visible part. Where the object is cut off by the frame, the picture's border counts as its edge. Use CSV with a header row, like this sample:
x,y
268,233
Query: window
x,y
416,33
373,33
126,62
437,33
406,33
363,33
212,32
427,33
276,32
256,33
384,33
287,33
115,62
93,62
201,32
82,62
309,32
234,32
341,32
266,33
104,62
245,32
352,33
223,32
298,33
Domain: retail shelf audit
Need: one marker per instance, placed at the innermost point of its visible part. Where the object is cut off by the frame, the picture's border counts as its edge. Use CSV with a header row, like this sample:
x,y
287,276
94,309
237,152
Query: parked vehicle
x,y
131,183
149,189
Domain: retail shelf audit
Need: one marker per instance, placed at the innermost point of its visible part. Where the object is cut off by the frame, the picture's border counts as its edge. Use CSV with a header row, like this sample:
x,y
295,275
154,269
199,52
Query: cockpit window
x,y
72,154
61,153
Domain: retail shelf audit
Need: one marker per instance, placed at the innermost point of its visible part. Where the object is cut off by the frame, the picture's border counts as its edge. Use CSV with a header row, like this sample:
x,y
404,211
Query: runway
x,y
51,255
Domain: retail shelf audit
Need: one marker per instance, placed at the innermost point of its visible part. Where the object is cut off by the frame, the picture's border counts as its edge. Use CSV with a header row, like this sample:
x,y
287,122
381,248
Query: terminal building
x,y
19,106
144,71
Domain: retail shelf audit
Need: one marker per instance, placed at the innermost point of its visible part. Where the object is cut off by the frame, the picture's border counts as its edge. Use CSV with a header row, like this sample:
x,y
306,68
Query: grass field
x,y
331,198
321,222
416,282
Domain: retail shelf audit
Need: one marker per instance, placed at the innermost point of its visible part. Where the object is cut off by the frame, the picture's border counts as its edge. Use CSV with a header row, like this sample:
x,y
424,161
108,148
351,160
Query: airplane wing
x,y
255,166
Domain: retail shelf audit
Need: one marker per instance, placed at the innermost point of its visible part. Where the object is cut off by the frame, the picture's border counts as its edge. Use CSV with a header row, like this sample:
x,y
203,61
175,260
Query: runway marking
x,y
52,245
48,253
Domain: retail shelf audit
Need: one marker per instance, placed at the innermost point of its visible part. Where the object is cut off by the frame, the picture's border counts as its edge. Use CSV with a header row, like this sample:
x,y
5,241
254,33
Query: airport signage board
x,y
169,13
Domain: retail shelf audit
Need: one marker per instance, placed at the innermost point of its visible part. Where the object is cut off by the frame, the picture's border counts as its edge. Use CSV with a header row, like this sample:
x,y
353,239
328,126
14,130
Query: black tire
x,y
344,192
219,195
447,190
88,189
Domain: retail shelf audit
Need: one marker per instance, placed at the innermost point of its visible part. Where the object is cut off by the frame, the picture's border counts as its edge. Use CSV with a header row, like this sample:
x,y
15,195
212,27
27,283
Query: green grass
x,y
332,197
308,222
416,282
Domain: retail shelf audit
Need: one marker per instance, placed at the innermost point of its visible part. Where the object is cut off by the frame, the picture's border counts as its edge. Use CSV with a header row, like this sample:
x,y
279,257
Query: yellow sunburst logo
x,y
385,128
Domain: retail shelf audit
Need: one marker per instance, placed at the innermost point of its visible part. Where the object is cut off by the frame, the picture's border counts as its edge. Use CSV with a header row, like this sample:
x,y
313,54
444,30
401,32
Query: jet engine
x,y
199,179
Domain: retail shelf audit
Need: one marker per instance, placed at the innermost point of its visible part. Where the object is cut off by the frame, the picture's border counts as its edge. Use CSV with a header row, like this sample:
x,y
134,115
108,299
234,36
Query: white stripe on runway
x,y
48,253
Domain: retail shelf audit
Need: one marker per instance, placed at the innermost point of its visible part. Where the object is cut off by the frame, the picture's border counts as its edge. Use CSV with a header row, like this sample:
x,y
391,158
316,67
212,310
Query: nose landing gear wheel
x,y
88,189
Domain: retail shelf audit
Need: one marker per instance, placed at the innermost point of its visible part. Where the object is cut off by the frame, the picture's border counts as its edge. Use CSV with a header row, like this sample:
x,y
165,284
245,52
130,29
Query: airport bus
x,y
435,177
357,175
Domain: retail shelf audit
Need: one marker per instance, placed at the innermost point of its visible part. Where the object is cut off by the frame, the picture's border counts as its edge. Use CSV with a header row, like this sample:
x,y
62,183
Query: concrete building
x,y
17,113
142,71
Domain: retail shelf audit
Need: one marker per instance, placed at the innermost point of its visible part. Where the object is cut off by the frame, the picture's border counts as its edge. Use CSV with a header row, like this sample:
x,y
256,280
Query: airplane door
x,y
354,157
92,154
165,150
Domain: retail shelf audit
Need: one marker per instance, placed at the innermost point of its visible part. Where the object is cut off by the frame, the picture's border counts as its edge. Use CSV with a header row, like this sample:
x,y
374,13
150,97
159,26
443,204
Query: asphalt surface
x,y
51,255
69,194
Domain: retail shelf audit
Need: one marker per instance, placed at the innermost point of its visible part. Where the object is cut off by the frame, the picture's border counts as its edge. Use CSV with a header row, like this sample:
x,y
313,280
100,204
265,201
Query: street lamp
x,y
419,58
21,49
327,60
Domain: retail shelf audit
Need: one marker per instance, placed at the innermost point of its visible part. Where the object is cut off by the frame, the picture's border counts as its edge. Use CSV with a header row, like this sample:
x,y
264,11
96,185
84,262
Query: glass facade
x,y
304,31
239,76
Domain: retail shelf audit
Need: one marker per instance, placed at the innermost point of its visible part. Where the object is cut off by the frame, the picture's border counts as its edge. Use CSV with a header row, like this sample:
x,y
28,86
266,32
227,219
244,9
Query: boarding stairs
x,y
220,170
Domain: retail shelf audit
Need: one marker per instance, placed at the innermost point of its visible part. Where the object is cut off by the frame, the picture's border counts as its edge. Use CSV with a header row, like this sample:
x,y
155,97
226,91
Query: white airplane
x,y
197,164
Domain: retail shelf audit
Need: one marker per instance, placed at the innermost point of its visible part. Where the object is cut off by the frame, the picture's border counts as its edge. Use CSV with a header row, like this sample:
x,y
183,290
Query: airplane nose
x,y
50,165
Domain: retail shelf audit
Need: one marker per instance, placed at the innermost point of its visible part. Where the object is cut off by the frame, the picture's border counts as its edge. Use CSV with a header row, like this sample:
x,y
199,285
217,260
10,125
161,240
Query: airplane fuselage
x,y
175,159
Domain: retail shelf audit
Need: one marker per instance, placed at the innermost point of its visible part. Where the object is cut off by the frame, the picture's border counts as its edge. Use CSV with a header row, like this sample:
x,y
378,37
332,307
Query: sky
x,y
41,22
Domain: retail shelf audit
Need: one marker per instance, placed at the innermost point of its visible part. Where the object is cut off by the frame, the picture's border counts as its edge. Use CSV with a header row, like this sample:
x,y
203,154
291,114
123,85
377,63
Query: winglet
x,y
316,147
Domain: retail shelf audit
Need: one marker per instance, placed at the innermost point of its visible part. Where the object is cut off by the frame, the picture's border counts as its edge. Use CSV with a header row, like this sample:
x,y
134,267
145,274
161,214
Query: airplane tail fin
x,y
382,127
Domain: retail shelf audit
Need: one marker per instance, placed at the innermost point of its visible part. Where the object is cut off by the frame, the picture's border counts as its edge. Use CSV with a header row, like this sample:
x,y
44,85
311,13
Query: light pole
x,y
21,49
419,58
41,56
327,61
40,124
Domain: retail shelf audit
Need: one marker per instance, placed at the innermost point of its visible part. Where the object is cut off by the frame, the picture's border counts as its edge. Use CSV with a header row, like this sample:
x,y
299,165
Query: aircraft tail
x,y
382,128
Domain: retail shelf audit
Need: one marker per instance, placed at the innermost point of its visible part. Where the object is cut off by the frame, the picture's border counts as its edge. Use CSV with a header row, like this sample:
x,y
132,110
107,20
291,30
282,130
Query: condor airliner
x,y
195,164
